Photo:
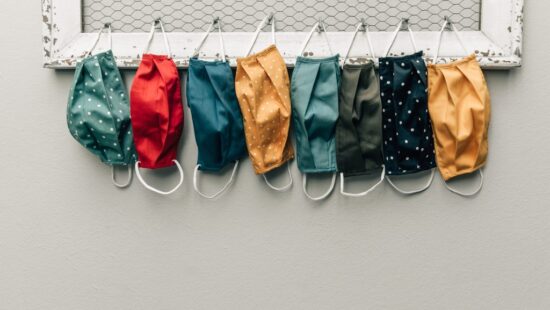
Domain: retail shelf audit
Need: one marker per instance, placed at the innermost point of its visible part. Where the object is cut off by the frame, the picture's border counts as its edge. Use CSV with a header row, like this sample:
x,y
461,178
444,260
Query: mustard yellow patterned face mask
x,y
262,87
459,107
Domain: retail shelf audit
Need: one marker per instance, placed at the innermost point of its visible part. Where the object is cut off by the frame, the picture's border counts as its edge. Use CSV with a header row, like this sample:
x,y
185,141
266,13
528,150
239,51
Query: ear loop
x,y
216,23
149,187
283,188
115,183
361,27
325,195
152,34
221,191
413,191
96,42
365,193
396,32
467,194
319,27
440,38
269,19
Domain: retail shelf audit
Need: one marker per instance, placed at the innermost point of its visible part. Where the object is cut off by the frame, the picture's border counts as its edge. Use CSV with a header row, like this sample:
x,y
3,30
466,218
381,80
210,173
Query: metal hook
x,y
106,25
216,22
320,25
404,24
449,23
270,19
364,25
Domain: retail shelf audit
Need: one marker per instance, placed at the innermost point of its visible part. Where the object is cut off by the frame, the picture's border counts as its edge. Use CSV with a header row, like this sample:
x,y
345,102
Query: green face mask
x,y
314,92
98,113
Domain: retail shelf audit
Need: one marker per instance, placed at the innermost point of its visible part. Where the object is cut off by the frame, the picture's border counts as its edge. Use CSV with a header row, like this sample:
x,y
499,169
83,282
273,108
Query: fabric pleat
x,y
408,139
217,120
262,87
314,90
460,110
157,111
98,112
359,127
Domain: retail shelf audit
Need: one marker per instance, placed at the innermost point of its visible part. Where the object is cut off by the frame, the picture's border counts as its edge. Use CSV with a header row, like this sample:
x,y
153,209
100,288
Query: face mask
x,y
98,113
157,112
217,119
262,87
460,110
408,139
314,92
359,127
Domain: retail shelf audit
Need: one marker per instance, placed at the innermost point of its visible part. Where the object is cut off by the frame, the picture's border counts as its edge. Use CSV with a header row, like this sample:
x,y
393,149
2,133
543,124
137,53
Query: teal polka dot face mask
x,y
98,113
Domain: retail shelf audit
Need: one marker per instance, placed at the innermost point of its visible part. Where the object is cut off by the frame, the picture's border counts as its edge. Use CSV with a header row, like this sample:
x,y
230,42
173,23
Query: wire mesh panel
x,y
292,15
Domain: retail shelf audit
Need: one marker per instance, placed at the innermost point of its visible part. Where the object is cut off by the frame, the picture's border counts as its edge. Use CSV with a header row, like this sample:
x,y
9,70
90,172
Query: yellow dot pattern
x,y
263,90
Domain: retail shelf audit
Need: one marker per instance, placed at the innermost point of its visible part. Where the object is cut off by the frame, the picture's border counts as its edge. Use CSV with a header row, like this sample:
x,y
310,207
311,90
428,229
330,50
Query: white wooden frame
x,y
498,44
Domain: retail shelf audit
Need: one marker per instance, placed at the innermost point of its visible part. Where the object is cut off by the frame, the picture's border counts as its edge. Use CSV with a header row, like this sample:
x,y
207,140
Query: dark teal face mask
x,y
216,115
314,91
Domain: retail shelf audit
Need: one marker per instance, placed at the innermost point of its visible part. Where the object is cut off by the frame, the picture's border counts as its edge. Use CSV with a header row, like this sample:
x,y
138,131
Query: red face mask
x,y
156,112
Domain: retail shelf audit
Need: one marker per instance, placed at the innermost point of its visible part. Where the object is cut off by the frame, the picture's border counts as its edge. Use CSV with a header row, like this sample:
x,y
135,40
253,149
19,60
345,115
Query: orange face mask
x,y
262,87
459,107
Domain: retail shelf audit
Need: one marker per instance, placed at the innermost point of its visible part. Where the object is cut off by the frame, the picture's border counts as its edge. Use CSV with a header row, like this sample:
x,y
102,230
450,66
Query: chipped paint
x,y
491,56
47,31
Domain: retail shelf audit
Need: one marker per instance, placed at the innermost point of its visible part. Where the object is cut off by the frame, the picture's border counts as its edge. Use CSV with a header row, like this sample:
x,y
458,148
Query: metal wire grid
x,y
243,15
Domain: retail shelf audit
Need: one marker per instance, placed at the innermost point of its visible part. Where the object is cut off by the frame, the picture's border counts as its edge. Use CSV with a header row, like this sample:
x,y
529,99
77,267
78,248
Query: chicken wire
x,y
244,15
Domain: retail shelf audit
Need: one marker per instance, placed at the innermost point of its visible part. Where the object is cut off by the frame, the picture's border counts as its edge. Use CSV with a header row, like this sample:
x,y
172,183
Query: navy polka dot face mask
x,y
408,145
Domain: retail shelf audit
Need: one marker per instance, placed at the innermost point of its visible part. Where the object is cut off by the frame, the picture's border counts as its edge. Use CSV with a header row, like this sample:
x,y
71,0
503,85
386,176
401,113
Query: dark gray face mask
x,y
359,127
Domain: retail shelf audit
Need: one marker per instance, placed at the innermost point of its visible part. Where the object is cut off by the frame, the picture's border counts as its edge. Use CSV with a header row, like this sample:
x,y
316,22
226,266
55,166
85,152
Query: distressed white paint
x,y
498,43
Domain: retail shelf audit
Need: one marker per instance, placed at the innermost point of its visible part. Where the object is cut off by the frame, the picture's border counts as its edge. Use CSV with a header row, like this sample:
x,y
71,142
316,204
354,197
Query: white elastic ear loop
x,y
206,34
394,37
310,34
149,187
362,194
273,38
127,182
257,33
468,194
351,43
283,188
165,37
325,195
439,40
221,40
369,41
203,40
152,34
221,191
98,38
413,191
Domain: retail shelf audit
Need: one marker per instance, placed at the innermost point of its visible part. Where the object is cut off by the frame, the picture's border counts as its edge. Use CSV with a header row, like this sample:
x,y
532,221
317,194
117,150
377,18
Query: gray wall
x,y
70,240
